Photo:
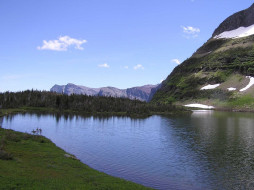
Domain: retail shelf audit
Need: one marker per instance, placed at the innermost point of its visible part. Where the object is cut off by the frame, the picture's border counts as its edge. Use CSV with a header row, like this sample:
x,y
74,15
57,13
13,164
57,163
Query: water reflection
x,y
207,150
221,148
1,121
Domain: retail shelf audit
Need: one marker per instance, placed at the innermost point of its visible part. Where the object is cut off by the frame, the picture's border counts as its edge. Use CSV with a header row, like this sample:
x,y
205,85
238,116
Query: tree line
x,y
83,103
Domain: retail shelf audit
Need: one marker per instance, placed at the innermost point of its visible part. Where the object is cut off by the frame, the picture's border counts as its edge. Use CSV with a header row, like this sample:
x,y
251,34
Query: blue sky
x,y
100,43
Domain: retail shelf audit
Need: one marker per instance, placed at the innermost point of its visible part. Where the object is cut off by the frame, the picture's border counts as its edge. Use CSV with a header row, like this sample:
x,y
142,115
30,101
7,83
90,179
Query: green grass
x,y
241,103
215,62
8,111
246,101
34,162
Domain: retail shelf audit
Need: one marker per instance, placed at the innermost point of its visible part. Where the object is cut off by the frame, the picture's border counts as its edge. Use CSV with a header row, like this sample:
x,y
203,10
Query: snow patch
x,y
199,106
249,85
208,87
237,33
231,89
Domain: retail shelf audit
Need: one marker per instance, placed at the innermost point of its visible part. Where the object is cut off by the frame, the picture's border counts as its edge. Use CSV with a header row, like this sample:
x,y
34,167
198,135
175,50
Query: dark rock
x,y
153,91
243,18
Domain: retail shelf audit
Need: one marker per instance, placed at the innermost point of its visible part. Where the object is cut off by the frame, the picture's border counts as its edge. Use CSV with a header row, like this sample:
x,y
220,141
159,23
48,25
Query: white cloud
x,y
105,65
62,44
190,31
138,66
126,67
177,61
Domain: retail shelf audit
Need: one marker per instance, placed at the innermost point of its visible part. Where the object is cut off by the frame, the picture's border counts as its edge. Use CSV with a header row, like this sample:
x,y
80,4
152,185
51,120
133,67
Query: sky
x,y
98,43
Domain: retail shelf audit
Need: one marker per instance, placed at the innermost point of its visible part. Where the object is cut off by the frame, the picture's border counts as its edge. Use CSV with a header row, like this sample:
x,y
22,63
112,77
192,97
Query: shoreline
x,y
35,162
240,110
212,106
226,110
4,112
20,145
243,110
18,150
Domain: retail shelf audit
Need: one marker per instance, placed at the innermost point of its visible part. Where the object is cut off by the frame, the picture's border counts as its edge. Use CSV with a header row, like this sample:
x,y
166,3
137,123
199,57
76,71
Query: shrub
x,y
5,155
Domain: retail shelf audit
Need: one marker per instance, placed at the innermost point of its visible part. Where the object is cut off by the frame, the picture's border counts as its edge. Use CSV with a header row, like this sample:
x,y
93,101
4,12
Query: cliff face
x,y
57,88
243,18
153,91
111,91
142,93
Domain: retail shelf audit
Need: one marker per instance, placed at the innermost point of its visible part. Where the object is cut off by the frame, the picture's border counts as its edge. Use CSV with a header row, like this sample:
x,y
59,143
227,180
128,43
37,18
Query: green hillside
x,y
219,61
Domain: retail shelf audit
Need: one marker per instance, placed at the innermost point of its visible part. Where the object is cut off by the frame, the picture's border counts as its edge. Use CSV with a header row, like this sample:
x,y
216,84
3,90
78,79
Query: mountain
x,y
221,72
153,91
243,18
74,89
112,91
142,93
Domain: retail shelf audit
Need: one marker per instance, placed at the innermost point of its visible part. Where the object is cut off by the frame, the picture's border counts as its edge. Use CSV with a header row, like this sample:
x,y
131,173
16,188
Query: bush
x,y
5,155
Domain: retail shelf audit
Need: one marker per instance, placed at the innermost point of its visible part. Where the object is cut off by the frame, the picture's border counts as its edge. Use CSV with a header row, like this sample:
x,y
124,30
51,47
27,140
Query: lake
x,y
204,150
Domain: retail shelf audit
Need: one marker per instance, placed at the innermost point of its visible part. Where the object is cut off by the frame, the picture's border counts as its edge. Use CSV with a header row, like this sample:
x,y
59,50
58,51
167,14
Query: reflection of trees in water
x,y
67,117
97,118
1,121
222,143
9,117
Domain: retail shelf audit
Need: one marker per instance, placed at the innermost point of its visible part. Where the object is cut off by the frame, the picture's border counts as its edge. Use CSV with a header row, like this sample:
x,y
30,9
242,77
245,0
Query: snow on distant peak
x,y
237,33
209,86
199,106
249,85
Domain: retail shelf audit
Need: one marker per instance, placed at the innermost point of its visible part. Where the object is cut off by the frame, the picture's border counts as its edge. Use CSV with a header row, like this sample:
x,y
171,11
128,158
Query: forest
x,y
81,103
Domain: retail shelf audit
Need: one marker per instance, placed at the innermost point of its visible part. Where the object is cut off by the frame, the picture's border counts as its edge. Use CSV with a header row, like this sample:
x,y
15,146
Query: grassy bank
x,y
238,104
34,162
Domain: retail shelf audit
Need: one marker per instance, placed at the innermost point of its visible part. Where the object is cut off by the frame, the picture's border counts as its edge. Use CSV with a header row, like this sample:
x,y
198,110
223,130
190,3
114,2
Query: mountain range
x,y
221,72
143,93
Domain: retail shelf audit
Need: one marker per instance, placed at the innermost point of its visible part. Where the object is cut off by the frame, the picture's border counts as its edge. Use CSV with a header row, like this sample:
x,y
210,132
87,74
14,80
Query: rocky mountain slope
x,y
142,93
243,18
220,73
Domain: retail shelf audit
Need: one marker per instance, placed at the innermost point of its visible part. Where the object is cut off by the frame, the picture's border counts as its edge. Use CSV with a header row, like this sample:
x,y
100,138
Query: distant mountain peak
x,y
142,93
244,18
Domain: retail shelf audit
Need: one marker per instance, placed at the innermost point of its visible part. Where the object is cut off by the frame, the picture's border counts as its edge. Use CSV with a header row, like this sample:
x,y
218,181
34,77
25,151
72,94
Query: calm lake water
x,y
205,150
